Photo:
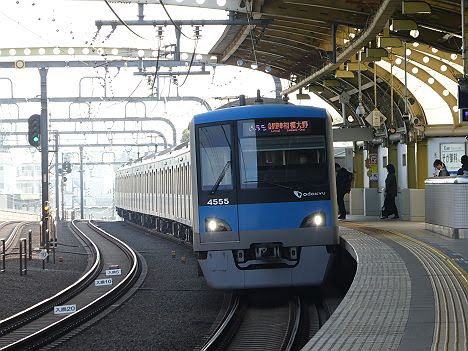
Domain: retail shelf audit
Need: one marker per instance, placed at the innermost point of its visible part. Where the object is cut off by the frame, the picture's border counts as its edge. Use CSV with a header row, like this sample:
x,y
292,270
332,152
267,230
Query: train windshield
x,y
282,153
215,158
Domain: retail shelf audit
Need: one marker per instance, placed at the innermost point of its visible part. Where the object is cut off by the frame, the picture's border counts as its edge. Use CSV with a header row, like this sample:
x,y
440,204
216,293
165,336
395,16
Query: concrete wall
x,y
402,166
410,203
356,201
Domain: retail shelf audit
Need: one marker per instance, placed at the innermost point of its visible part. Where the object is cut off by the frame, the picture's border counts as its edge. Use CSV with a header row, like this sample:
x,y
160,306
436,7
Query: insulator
x,y
197,32
160,33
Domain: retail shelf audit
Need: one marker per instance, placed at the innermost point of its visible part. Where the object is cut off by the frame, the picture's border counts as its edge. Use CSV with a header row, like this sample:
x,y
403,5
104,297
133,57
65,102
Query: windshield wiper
x,y
269,183
220,178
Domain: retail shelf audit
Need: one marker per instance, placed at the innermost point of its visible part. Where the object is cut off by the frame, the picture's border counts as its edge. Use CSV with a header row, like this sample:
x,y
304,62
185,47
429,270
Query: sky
x,y
71,24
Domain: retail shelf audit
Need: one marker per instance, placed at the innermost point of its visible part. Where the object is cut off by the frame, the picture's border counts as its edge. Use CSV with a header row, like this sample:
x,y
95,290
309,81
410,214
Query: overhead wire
x,y
191,63
156,70
122,21
172,21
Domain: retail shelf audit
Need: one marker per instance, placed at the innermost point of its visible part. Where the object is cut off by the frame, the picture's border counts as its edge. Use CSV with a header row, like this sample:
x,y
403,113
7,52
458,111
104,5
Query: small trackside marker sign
x,y
113,271
64,309
102,282
43,254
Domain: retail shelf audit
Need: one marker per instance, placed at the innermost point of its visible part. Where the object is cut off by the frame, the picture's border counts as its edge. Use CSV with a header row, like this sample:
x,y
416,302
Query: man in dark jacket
x,y
464,169
343,186
391,189
438,164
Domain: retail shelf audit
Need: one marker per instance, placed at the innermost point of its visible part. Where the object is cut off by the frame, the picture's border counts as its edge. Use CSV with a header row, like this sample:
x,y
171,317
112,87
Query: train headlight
x,y
316,219
213,224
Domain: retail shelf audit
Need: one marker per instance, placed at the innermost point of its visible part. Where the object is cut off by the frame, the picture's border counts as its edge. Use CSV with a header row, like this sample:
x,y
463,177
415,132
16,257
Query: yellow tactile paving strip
x,y
449,283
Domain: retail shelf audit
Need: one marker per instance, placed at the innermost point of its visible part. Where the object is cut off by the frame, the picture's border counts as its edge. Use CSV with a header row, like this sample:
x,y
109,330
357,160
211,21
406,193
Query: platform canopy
x,y
313,43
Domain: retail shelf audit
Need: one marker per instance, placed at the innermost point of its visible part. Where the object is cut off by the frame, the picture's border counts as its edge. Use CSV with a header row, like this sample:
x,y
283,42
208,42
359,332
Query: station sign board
x,y
451,154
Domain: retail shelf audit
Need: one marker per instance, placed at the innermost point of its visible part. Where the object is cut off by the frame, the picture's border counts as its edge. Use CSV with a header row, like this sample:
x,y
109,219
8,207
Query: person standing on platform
x,y
344,180
438,164
390,194
464,169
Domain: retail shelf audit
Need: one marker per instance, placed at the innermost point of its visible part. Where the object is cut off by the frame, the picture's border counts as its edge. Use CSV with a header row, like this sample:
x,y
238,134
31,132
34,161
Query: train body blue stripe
x,y
280,215
266,216
260,111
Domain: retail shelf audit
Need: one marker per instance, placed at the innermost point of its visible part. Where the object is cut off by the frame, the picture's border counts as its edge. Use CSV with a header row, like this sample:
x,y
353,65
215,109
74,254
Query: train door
x,y
217,198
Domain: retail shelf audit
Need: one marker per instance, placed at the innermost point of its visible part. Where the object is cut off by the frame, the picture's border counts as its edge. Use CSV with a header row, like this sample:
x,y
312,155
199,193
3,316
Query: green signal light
x,y
36,138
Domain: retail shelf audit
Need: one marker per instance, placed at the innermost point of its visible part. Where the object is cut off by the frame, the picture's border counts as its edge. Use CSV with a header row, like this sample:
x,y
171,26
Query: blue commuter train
x,y
255,195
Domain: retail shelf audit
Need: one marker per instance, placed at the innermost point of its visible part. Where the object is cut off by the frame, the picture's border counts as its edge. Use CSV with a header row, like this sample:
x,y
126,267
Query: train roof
x,y
260,111
154,157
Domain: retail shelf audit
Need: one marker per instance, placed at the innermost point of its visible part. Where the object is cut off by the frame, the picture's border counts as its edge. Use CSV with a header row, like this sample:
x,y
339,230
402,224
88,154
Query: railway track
x,y
250,325
92,293
11,232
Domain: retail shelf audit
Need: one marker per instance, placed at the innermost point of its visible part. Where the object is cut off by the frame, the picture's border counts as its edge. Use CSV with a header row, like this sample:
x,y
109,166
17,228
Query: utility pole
x,y
81,183
464,56
57,195
44,157
63,192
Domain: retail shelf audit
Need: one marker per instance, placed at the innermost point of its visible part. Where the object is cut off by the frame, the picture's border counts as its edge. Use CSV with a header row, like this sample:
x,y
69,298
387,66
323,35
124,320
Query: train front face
x,y
264,209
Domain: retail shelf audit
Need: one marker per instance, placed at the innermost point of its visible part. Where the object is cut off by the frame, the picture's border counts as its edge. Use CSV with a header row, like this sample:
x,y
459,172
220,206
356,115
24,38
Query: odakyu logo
x,y
300,194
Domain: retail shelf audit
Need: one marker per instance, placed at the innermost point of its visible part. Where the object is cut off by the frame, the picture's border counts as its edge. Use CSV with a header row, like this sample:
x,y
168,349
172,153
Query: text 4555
x,y
215,202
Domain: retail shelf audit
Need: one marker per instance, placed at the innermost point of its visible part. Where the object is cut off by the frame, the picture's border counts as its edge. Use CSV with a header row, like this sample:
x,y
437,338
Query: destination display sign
x,y
269,127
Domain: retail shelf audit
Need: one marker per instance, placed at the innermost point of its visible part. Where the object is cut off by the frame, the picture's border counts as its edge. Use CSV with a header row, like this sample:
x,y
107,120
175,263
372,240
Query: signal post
x,y
44,141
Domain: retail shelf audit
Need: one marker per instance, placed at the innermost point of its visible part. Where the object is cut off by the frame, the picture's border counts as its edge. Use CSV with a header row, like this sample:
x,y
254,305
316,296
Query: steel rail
x,y
19,319
66,324
293,334
226,330
12,238
223,328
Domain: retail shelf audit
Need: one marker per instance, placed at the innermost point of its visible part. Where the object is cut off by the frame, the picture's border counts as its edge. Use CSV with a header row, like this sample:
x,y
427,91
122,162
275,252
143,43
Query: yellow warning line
x,y
457,271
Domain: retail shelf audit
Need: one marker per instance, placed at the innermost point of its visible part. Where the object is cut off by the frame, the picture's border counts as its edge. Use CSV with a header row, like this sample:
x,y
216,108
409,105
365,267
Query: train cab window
x,y
279,156
215,152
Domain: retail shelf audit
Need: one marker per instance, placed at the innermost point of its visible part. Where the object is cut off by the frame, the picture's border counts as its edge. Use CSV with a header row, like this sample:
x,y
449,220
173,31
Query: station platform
x,y
409,292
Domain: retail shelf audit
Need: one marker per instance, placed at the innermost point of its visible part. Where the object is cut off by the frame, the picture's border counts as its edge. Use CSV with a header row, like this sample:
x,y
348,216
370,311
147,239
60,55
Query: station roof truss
x,y
309,40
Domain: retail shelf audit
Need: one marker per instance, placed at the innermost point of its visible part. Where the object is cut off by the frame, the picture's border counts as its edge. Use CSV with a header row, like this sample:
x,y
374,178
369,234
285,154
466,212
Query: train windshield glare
x,y
281,153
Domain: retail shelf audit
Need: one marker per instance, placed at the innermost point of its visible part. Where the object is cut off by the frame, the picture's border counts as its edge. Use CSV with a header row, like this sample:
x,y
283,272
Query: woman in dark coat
x,y
390,193
464,169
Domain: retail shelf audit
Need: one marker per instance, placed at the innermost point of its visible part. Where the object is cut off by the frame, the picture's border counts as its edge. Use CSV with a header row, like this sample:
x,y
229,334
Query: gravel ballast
x,y
20,292
173,309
